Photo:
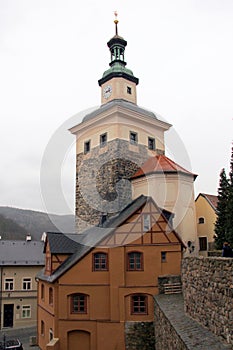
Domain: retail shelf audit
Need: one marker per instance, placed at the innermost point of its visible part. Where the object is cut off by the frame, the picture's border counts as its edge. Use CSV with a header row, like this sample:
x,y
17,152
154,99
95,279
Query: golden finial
x,y
116,21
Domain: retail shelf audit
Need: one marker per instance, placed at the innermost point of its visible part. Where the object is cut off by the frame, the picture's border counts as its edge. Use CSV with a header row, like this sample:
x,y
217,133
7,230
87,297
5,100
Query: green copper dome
x,y
117,65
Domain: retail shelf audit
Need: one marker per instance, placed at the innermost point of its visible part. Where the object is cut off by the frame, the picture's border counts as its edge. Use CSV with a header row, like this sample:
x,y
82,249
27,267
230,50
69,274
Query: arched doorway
x,y
79,340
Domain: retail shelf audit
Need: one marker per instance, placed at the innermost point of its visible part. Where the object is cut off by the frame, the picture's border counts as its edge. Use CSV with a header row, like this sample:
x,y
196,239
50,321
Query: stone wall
x,y
166,336
139,336
208,293
102,180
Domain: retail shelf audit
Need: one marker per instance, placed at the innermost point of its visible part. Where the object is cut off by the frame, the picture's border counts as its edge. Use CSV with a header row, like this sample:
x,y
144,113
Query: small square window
x,y
103,140
78,304
133,136
139,304
135,261
100,262
129,90
151,143
87,146
163,256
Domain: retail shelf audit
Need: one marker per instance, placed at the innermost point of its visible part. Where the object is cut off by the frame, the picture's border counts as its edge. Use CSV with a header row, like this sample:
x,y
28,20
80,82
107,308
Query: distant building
x,y
20,261
206,205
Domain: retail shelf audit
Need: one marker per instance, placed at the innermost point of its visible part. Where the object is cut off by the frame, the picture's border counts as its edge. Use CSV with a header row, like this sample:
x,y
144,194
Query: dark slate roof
x,y
60,243
94,235
20,253
121,103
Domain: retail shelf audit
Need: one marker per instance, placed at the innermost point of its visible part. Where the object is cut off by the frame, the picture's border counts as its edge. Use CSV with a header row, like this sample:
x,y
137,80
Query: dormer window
x,y
129,90
87,146
151,143
133,136
103,140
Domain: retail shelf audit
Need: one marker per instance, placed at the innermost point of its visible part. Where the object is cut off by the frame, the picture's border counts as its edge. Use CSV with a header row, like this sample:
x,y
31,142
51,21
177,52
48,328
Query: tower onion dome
x,y
117,65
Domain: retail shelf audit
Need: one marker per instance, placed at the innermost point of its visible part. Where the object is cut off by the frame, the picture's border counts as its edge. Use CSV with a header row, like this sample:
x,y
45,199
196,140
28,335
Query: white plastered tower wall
x,y
175,193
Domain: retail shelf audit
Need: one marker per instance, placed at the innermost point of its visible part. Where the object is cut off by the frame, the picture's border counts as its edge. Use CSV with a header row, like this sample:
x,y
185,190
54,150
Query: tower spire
x,y
116,22
117,46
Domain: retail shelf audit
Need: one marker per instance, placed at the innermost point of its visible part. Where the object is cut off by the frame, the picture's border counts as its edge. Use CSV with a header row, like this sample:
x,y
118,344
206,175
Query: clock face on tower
x,y
107,91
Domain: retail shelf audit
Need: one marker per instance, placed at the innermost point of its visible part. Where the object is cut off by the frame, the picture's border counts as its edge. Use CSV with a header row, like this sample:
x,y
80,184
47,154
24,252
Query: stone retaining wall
x,y
208,293
139,336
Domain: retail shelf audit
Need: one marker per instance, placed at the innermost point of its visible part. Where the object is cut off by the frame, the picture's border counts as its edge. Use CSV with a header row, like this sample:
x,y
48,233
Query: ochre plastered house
x,y
206,205
95,283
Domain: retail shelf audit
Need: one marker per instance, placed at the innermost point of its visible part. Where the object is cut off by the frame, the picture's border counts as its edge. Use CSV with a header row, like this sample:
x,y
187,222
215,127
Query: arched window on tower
x,y
201,220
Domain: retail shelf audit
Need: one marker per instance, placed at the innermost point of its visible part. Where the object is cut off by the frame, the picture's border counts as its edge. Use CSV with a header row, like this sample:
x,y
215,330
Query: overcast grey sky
x,y
52,53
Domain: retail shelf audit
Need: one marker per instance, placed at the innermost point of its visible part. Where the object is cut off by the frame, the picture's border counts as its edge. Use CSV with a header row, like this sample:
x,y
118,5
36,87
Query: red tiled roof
x,y
158,164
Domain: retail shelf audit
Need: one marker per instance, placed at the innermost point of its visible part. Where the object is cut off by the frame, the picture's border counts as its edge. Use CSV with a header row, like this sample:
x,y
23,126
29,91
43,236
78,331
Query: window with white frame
x,y
146,222
26,311
9,284
27,283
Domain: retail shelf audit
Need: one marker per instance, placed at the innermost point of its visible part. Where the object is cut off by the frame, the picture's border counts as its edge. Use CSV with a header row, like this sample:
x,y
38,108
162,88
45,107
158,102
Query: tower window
x,y
151,143
133,136
129,90
103,140
87,146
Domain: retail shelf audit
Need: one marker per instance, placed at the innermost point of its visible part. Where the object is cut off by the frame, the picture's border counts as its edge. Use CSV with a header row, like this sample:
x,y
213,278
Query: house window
x,y
50,334
201,220
151,143
78,304
103,140
27,283
203,243
135,261
133,136
9,284
129,90
146,222
163,257
26,311
42,327
42,291
100,262
87,146
139,304
50,296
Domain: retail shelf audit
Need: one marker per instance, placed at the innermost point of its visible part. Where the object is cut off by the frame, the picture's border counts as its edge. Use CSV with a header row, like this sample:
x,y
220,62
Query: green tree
x,y
229,209
221,225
